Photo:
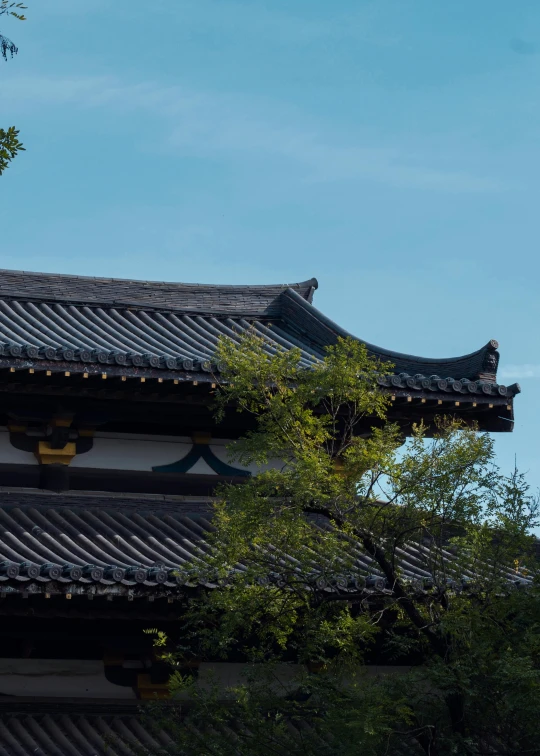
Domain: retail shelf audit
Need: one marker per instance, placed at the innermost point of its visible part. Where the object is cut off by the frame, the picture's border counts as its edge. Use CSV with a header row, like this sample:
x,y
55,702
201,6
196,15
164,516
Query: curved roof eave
x,y
471,366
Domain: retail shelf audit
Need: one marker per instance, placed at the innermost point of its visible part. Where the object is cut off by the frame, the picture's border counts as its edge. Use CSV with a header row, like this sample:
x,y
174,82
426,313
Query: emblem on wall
x,y
202,451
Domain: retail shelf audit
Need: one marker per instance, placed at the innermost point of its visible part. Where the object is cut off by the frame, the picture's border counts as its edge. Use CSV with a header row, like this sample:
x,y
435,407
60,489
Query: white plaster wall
x,y
123,451
9,454
116,453
226,675
74,678
222,453
54,678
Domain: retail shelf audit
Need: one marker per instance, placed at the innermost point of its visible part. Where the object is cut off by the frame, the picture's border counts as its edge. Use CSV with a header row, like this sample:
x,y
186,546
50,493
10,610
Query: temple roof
x,y
103,540
161,295
61,727
71,727
119,545
58,322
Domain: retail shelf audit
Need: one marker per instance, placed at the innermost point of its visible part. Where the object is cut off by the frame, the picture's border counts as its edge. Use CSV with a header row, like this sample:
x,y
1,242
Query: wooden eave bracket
x,y
46,455
148,690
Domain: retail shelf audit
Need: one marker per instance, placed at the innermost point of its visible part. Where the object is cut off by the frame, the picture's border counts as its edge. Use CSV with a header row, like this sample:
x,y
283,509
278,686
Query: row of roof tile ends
x,y
416,382
436,383
68,574
96,356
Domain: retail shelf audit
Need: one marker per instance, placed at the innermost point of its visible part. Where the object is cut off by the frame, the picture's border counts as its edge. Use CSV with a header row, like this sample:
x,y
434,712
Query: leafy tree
x,y
311,563
8,8
9,142
9,146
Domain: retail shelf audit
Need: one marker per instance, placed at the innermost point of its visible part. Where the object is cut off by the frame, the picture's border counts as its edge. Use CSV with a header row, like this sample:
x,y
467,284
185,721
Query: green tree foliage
x,y
8,8
9,146
9,141
294,546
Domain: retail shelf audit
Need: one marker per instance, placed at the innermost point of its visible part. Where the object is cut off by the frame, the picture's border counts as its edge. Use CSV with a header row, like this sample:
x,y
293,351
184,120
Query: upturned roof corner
x,y
82,326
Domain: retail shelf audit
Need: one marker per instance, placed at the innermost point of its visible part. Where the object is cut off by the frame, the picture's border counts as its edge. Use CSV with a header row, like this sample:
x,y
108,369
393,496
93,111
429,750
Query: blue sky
x,y
389,148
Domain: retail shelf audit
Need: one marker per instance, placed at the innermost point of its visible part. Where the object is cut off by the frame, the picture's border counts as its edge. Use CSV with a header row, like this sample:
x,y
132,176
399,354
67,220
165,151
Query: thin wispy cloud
x,y
520,371
231,126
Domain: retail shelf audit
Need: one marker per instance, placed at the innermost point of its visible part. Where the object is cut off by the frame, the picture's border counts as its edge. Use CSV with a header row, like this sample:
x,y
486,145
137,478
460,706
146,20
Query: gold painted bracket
x,y
48,456
148,690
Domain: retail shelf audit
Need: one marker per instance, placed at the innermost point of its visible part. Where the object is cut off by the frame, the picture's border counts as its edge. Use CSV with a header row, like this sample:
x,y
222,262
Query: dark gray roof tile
x,y
133,534
156,324
48,732
49,287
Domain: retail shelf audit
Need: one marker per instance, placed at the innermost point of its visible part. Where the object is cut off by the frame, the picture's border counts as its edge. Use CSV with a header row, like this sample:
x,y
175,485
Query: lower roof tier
x,y
61,729
105,545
